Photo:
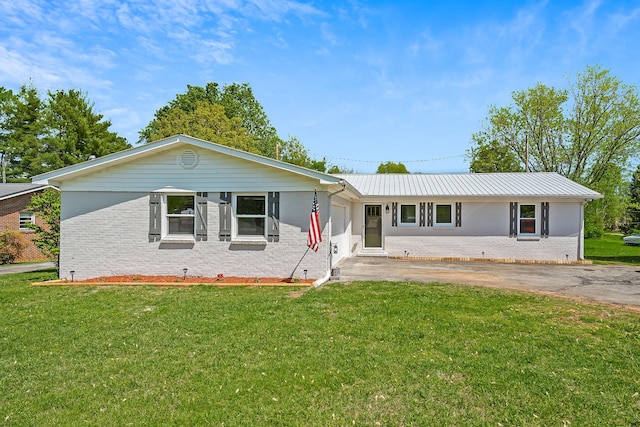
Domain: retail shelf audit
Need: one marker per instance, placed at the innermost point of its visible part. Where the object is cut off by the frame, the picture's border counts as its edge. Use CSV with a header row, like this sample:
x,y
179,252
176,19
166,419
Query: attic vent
x,y
188,159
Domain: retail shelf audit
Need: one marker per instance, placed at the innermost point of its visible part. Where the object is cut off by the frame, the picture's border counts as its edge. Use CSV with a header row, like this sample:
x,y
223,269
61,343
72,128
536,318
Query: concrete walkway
x,y
23,268
618,284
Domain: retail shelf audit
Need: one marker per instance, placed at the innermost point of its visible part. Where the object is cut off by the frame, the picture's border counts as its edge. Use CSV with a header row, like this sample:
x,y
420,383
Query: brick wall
x,y
104,234
10,220
498,247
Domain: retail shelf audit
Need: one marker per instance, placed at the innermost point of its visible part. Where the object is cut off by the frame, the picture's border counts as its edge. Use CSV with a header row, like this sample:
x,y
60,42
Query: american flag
x,y
315,234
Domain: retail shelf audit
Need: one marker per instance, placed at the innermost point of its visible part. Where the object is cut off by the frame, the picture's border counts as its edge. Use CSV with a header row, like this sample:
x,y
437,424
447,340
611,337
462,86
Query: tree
x,y
491,156
609,212
238,102
74,132
598,133
239,105
12,243
6,97
205,121
46,206
633,212
22,128
392,167
294,152
37,136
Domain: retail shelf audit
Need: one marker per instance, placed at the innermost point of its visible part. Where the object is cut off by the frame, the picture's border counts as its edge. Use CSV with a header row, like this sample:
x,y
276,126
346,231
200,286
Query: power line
x,y
398,161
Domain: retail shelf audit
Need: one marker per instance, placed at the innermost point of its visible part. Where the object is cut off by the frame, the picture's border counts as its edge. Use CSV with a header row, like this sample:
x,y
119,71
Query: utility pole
x,y
526,143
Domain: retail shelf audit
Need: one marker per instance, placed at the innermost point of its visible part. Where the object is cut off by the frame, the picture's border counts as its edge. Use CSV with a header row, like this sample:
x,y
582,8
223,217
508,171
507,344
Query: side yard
x,y
611,249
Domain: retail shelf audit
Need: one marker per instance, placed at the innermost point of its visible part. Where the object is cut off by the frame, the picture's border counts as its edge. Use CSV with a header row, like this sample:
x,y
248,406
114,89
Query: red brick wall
x,y
10,220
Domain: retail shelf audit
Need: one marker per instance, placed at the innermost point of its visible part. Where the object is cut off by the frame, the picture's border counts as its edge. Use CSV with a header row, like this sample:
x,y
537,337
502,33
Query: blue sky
x,y
357,82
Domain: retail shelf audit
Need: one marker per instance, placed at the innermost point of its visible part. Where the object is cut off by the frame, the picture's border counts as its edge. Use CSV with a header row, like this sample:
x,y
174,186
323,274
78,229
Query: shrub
x,y
12,243
46,205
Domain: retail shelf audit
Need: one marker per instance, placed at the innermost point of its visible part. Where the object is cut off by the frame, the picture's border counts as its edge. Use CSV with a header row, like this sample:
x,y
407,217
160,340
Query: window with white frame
x,y
527,219
251,215
26,218
408,215
444,215
180,215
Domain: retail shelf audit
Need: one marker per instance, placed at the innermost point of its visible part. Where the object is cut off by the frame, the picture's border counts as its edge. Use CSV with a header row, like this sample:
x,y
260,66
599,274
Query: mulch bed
x,y
134,279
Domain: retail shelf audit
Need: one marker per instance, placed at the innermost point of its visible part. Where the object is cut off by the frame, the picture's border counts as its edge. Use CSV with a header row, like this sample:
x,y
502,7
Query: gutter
x,y
327,276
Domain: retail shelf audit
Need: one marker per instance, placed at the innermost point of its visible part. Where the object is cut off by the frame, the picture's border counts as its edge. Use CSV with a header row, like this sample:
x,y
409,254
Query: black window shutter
x,y
225,216
155,217
422,213
513,219
273,231
458,214
430,214
545,219
201,216
394,214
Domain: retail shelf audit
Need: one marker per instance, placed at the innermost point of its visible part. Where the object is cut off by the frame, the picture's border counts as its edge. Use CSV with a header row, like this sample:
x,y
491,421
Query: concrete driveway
x,y
618,284
22,268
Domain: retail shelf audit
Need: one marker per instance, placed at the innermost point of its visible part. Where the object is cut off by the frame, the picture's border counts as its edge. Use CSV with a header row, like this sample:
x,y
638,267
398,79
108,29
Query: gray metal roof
x,y
532,184
15,189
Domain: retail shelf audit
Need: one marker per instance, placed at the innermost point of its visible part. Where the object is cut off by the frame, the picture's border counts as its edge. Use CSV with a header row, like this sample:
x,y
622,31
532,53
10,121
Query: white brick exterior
x,y
484,233
106,211
490,247
105,234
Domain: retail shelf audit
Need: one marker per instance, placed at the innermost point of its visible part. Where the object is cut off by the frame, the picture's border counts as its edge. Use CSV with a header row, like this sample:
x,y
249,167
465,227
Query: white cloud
x,y
131,20
425,42
210,51
19,12
620,21
16,69
581,21
276,10
327,34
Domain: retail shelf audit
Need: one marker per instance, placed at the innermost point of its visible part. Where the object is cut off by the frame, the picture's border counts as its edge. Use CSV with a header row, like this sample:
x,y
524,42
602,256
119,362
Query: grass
x,y
610,249
367,353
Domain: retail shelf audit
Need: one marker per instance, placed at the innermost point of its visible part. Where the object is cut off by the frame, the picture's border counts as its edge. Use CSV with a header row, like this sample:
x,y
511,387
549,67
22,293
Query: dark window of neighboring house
x,y
26,218
527,219
180,214
251,215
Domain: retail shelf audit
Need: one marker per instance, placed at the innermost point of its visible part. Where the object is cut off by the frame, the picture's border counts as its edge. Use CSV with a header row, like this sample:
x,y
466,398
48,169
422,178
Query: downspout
x,y
321,281
580,255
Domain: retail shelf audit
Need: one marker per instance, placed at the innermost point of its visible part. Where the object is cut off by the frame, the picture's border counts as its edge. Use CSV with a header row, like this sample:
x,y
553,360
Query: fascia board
x,y
31,190
73,171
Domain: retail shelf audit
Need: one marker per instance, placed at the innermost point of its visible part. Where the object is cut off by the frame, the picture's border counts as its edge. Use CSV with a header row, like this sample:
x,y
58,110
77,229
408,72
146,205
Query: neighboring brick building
x,y
14,199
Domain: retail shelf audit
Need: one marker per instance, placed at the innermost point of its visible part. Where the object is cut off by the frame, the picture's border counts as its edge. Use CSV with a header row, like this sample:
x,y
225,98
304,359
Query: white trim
x,y
250,238
165,236
536,218
31,190
145,150
31,220
364,226
416,215
452,212
174,190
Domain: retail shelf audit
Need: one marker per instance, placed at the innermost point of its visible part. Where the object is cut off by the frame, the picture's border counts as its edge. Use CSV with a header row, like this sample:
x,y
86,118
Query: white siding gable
x,y
213,172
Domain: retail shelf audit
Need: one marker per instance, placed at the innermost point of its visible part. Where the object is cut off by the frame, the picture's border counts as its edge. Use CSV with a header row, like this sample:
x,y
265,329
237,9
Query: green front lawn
x,y
611,249
361,354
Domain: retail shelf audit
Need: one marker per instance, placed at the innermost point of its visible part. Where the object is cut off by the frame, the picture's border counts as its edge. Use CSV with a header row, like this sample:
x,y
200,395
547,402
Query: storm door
x,y
373,226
